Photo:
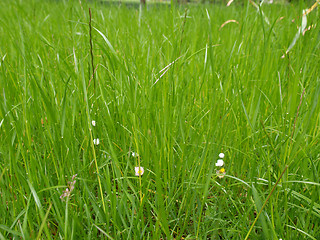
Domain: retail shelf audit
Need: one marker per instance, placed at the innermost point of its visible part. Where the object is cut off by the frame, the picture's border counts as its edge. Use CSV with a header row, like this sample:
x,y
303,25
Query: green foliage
x,y
175,86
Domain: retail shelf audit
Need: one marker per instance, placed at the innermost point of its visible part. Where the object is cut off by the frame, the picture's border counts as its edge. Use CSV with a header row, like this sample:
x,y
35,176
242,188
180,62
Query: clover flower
x,y
139,171
221,155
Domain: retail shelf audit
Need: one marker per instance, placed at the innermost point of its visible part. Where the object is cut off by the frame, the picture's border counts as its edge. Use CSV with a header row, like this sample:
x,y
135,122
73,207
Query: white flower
x,y
139,171
134,154
96,141
93,123
219,163
221,155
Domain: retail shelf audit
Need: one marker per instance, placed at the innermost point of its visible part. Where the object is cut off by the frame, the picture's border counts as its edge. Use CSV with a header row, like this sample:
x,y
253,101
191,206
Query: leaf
x,y
7,229
300,30
108,43
38,203
263,217
44,222
63,115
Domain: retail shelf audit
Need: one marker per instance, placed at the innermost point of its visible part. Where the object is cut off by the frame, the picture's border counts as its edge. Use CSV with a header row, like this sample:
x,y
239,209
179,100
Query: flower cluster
x,y
138,170
221,172
96,141
67,193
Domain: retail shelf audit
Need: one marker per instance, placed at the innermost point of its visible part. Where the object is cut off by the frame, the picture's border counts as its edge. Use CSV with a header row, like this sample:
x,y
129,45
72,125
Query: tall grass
x,y
175,88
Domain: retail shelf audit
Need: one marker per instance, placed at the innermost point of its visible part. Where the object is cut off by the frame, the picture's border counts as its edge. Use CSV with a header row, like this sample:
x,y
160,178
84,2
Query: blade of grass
x,y
40,208
44,221
265,203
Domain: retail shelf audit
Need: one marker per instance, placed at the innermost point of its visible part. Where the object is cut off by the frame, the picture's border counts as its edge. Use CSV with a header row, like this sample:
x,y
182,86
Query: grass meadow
x,y
173,87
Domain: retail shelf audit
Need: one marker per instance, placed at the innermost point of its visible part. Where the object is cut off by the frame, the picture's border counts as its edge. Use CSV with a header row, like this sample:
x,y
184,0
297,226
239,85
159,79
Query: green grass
x,y
227,90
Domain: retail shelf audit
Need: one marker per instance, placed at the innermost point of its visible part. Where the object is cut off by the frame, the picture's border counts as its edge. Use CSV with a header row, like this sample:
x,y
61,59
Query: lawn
x,y
113,126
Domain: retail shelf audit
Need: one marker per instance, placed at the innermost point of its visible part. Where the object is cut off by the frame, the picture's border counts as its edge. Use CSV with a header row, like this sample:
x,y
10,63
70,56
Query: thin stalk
x,y
91,51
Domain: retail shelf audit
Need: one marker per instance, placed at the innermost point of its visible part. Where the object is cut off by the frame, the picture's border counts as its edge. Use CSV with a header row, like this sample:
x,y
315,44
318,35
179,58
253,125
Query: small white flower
x,y
219,163
139,171
96,141
93,123
134,154
221,155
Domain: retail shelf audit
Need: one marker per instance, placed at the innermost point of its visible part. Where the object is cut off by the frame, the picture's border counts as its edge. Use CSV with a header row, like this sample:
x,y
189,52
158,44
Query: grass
x,y
226,90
